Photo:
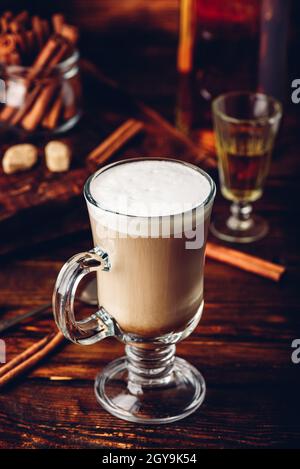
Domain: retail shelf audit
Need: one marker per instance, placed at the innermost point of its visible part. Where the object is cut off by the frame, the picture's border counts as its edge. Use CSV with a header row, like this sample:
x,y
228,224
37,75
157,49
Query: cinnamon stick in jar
x,y
43,58
22,17
51,118
37,27
25,37
7,113
62,49
38,98
35,115
58,22
7,44
29,100
70,33
5,21
4,24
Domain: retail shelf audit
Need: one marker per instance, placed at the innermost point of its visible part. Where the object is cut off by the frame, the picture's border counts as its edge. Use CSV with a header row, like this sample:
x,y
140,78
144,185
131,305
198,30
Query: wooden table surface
x,y
242,344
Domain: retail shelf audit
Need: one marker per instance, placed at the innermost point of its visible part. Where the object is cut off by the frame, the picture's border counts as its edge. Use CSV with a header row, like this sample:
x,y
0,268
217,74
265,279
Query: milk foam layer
x,y
150,188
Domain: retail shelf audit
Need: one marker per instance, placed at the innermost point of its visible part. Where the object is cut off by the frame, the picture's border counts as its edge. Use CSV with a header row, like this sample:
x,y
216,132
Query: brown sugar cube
x,y
58,156
19,158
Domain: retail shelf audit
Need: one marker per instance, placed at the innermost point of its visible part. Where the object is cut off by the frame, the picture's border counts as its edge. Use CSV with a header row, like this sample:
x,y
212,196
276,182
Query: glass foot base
x,y
180,395
255,229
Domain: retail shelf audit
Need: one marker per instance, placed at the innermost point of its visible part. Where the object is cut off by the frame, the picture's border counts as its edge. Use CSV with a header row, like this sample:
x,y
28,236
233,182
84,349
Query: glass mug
x,y
150,296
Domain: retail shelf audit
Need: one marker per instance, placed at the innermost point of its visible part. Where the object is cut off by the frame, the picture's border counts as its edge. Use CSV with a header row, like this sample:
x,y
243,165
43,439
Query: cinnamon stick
x,y
5,21
245,261
34,116
18,116
15,27
71,90
4,24
22,17
30,357
114,142
7,113
57,22
38,99
37,27
43,58
51,118
70,33
7,44
59,55
21,38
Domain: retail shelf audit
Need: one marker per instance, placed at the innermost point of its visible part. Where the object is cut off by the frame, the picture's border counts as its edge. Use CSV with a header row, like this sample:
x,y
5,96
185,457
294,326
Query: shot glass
x,y
245,125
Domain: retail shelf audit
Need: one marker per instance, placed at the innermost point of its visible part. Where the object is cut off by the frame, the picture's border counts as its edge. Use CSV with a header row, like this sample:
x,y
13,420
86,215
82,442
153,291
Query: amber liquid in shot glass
x,y
246,125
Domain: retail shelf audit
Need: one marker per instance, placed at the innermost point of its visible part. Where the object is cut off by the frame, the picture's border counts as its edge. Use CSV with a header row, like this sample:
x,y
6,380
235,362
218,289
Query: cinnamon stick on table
x,y
114,142
245,261
30,357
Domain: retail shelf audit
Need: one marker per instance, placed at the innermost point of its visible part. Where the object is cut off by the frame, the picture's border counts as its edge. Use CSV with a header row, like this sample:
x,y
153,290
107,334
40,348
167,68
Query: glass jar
x,y
49,102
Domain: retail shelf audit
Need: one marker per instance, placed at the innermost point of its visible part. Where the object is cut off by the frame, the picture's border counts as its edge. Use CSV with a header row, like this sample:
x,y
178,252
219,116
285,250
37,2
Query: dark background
x,y
127,37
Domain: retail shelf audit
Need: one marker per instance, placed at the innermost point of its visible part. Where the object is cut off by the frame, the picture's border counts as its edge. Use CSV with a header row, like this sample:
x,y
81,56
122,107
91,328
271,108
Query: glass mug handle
x,y
95,327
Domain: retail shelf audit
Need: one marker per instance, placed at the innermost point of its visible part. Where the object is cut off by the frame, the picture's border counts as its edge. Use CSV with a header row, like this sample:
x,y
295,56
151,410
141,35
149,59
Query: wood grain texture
x,y
242,345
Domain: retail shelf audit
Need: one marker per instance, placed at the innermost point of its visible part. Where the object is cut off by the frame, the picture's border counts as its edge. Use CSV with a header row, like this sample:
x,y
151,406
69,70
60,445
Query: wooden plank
x,y
65,415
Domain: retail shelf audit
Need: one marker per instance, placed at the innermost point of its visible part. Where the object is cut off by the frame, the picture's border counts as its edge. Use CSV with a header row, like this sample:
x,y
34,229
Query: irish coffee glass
x,y
149,384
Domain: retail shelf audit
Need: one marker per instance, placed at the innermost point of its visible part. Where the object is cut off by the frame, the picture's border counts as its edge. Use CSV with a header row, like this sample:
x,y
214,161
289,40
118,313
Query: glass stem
x,y
240,218
149,367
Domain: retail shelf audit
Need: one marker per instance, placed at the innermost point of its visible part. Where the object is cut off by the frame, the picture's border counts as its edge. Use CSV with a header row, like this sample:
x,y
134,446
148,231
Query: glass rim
x,y
72,59
89,198
258,120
